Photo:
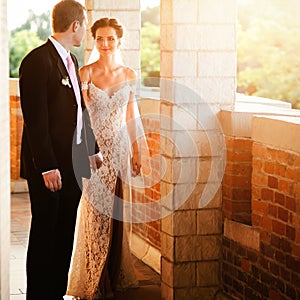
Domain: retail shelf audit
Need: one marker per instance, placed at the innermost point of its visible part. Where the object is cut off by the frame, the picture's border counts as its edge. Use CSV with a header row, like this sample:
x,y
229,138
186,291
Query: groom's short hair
x,y
65,13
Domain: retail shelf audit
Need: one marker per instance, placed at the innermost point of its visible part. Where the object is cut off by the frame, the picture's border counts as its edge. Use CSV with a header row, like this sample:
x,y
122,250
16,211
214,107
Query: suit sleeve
x,y
92,146
33,80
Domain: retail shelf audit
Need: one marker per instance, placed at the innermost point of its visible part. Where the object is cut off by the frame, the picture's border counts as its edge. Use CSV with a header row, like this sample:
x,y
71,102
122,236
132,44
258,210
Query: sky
x,y
17,10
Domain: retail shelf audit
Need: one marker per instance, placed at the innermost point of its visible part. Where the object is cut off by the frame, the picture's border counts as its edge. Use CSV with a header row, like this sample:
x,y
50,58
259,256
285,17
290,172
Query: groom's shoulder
x,y
39,52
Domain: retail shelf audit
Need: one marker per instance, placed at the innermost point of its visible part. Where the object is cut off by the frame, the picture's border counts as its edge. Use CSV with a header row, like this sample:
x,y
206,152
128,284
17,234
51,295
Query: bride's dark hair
x,y
108,22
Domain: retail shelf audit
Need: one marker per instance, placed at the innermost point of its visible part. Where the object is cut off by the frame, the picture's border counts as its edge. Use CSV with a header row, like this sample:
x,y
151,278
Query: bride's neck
x,y
108,63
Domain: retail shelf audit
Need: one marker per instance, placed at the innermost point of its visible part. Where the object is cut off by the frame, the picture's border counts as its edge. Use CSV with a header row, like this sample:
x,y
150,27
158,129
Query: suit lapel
x,y
62,68
60,65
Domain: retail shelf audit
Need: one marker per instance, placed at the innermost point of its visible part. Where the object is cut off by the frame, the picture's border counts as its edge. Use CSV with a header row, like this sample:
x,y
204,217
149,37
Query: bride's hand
x,y
96,161
136,164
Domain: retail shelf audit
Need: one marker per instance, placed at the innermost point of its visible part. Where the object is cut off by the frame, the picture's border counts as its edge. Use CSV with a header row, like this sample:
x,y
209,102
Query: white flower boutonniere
x,y
66,82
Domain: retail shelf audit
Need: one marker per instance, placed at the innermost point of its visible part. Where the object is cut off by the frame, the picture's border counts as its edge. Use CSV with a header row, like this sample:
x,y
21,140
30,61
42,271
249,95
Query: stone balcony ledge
x,y
238,121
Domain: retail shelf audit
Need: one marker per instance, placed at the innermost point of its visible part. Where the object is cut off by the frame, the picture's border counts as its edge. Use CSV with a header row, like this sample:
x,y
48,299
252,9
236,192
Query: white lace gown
x,y
94,219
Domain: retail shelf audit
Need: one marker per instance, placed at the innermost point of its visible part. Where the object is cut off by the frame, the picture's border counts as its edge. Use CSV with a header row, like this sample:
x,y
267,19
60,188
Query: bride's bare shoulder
x,y
130,73
86,72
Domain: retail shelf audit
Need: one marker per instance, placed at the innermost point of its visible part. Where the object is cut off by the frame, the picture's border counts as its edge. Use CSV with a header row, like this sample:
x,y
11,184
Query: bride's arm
x,y
131,116
84,74
95,155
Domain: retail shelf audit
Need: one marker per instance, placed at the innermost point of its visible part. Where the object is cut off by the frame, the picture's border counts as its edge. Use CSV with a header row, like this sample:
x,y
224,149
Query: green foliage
x,y
37,23
28,36
21,43
268,43
150,54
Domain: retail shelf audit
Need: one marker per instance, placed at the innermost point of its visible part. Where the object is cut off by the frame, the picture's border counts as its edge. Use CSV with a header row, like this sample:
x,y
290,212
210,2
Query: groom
x,y
54,134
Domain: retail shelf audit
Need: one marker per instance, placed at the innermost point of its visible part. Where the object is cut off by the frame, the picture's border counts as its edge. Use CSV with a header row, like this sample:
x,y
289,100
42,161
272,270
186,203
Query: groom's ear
x,y
75,26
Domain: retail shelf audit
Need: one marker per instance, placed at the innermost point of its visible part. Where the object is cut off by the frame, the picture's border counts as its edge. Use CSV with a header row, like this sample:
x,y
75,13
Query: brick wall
x,y
236,186
150,231
270,270
16,129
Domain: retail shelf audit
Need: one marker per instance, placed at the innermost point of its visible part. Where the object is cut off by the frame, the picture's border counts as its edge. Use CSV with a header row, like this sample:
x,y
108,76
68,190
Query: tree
x,y
268,43
150,46
40,24
150,54
21,43
28,36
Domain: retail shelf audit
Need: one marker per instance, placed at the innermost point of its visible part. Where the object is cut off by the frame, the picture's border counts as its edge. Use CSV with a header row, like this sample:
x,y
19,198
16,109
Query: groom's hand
x,y
52,180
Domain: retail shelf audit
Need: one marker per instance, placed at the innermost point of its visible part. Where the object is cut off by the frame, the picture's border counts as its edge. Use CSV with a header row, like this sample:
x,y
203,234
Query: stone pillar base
x,y
18,186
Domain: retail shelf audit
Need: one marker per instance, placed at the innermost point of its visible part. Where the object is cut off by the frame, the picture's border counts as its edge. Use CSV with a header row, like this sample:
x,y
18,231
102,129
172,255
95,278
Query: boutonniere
x,y
66,82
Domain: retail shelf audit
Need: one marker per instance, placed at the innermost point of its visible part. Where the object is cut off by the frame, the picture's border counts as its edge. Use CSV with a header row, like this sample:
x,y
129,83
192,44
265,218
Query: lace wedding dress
x,y
95,228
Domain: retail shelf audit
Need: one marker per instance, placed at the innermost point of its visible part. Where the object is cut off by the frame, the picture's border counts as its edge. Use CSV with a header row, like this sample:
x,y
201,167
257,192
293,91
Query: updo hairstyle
x,y
108,22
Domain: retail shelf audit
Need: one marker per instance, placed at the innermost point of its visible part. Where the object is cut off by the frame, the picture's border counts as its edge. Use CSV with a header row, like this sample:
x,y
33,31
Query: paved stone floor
x,y
149,280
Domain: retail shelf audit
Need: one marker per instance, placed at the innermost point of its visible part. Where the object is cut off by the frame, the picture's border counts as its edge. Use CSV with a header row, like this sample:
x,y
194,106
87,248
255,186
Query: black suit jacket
x,y
50,115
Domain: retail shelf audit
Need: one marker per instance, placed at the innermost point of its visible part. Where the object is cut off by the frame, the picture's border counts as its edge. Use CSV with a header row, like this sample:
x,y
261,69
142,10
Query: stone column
x,y
198,78
4,157
128,12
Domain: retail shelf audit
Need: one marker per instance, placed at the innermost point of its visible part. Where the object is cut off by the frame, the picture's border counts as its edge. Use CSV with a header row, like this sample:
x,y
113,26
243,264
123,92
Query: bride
x,y
101,260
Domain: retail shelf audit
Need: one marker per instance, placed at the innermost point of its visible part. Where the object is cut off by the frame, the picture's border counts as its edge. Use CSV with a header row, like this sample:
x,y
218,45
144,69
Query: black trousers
x,y
51,237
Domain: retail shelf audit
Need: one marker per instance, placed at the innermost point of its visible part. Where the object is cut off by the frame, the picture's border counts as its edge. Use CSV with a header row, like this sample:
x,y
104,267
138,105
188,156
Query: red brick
x,y
239,157
256,192
291,173
290,233
272,182
259,150
278,227
245,265
257,164
226,190
274,295
291,159
271,154
283,214
285,187
266,223
296,250
227,204
290,203
244,144
256,220
273,211
297,239
269,167
279,198
280,257
297,161
241,194
265,236
296,189
259,179
280,170
282,157
267,194
259,206
229,142
296,221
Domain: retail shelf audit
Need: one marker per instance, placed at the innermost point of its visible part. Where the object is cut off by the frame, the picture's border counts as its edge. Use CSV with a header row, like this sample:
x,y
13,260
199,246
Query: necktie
x,y
73,77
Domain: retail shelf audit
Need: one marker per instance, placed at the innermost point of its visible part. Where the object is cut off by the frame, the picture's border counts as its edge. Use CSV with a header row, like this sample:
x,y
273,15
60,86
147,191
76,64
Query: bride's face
x,y
106,40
